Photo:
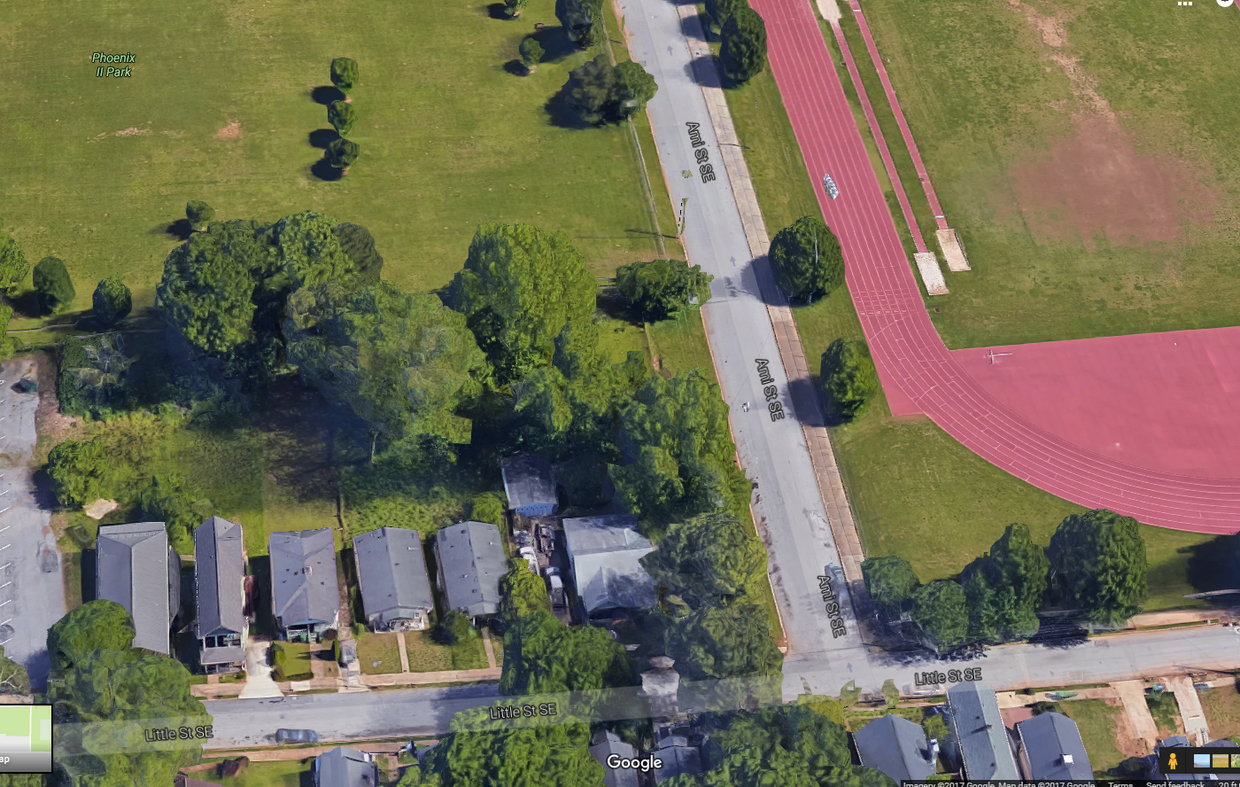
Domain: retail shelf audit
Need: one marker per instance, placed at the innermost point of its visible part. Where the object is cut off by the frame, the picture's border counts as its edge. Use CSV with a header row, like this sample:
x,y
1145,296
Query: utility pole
x,y
680,226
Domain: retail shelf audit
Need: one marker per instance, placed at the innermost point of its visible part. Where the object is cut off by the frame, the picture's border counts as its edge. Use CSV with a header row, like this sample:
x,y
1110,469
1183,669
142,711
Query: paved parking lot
x,y
32,595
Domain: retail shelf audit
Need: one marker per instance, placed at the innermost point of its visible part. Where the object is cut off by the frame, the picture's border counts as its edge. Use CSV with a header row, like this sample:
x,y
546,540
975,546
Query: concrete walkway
x,y
404,651
1196,728
486,643
428,678
1132,695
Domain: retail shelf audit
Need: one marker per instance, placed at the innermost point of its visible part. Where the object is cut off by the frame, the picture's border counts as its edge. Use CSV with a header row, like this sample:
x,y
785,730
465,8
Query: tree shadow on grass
x,y
559,114
554,42
1213,566
516,68
322,137
326,94
179,229
324,171
497,11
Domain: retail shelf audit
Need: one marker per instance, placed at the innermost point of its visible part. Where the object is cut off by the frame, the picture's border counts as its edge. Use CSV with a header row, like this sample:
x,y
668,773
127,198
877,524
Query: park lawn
x,y
450,138
993,117
915,491
372,647
1097,722
1222,708
287,773
680,344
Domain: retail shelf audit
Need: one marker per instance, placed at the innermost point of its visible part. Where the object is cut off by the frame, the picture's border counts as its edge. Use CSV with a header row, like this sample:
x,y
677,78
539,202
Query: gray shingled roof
x,y
345,767
605,744
979,731
300,595
392,572
606,552
528,481
678,758
895,746
219,576
1054,748
472,562
135,567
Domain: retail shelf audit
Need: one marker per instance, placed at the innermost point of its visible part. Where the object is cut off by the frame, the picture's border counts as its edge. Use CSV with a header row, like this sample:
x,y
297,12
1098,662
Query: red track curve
x,y
910,356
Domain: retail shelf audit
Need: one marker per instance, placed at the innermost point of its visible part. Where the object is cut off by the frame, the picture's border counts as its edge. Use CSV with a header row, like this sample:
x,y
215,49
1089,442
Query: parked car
x,y
530,557
286,736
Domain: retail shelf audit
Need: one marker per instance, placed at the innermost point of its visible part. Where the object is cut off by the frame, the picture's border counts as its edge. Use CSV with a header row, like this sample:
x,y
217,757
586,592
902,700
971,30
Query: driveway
x,y
32,588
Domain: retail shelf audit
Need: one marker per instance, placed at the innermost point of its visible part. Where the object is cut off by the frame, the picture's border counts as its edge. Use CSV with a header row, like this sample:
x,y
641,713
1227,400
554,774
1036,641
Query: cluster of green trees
x,y
343,152
582,21
1094,569
598,92
657,289
806,259
743,52
102,690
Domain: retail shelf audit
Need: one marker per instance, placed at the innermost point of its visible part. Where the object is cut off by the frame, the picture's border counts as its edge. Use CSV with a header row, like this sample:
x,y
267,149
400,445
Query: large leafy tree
x,y
224,290
1098,565
342,154
634,89
710,560
889,580
342,117
543,656
519,289
531,52
598,92
53,289
582,20
719,11
727,655
848,377
78,471
96,625
13,265
123,691
112,301
941,610
656,289
522,592
171,499
743,53
8,344
806,258
399,361
359,246
554,755
1005,588
344,74
680,452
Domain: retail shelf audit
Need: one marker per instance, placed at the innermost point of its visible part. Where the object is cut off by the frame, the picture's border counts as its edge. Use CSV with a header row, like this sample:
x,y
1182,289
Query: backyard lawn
x,y
1097,722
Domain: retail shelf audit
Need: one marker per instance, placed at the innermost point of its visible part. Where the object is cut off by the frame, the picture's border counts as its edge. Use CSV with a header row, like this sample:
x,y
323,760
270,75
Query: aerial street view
x,y
619,393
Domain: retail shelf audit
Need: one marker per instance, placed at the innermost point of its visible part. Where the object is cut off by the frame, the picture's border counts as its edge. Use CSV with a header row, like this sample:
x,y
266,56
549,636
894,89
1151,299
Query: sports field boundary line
x,y
840,516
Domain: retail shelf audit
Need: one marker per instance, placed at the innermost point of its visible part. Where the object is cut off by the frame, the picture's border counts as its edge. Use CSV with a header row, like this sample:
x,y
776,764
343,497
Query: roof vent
x,y
1067,759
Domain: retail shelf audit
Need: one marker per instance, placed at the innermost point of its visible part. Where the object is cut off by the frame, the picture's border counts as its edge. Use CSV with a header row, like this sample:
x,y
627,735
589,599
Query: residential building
x,y
679,752
605,555
304,592
1051,749
345,767
136,567
608,744
471,563
897,747
391,569
219,584
529,485
979,737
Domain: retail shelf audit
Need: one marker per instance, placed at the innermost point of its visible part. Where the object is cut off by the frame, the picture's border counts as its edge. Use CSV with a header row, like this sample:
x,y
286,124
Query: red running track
x,y
912,361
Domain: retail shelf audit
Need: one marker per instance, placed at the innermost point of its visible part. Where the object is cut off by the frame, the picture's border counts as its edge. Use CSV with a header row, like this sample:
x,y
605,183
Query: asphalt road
x,y
32,594
773,453
337,717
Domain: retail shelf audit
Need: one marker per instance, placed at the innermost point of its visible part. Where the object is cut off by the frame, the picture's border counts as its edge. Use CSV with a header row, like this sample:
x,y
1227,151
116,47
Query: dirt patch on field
x,y
1096,183
133,131
231,131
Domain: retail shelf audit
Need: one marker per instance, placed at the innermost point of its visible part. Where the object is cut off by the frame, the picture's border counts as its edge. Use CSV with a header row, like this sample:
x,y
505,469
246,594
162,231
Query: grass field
x,y
270,774
450,137
915,491
1096,721
1222,707
1080,150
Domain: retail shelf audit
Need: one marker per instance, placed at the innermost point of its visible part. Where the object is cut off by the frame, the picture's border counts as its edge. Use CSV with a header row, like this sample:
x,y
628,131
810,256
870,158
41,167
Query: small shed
x,y
529,485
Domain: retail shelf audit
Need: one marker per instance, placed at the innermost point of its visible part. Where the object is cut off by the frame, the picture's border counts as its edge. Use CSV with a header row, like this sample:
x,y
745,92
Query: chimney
x,y
1067,759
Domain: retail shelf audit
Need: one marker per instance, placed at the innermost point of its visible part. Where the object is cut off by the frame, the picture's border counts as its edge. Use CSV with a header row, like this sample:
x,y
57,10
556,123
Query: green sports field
x,y
220,108
1084,151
